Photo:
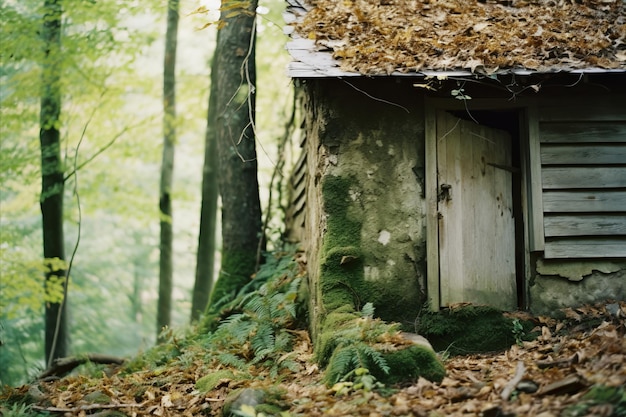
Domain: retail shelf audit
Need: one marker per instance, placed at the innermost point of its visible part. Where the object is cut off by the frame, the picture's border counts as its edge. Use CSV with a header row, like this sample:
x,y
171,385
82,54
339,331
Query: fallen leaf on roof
x,y
384,36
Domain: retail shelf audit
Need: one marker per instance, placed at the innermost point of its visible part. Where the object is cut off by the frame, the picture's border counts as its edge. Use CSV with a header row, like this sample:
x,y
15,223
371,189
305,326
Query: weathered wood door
x,y
475,209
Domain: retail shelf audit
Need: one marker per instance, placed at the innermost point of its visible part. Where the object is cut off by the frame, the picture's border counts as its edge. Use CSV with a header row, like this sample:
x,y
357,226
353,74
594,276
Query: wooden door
x,y
475,210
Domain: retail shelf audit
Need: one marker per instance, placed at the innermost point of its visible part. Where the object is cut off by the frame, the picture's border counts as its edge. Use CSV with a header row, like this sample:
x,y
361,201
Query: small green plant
x,y
459,94
518,332
356,380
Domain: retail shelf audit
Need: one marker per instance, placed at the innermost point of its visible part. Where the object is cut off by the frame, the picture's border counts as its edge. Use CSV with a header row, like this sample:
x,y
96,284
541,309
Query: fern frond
x,y
343,360
375,358
368,311
229,359
263,339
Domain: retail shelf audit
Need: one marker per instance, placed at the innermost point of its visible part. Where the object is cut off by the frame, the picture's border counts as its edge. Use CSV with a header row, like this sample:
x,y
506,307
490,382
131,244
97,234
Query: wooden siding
x,y
583,178
295,216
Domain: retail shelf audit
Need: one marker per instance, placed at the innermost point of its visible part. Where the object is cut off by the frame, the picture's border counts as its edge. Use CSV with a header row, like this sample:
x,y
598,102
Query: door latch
x,y
445,192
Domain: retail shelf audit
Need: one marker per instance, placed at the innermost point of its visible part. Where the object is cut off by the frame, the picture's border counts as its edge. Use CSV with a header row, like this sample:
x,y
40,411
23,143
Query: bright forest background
x,y
111,140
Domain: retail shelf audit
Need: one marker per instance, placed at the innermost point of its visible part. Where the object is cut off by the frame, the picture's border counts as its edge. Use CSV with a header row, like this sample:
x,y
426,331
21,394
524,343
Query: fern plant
x,y
353,346
255,324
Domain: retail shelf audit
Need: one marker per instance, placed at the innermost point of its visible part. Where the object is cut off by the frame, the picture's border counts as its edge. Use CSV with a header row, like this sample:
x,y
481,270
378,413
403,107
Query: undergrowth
x,y
256,326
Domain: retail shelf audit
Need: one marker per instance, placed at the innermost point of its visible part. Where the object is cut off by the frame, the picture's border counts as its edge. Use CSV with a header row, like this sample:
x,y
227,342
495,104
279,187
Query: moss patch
x,y
467,329
236,271
409,363
209,382
349,338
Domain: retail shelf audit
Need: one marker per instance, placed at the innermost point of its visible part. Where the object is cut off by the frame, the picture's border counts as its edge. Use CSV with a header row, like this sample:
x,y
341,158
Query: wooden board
x,y
611,109
573,132
585,225
605,154
583,177
476,225
586,248
584,201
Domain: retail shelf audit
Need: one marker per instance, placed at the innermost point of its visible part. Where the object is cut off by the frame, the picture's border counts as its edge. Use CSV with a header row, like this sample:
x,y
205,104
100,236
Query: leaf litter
x,y
560,373
385,36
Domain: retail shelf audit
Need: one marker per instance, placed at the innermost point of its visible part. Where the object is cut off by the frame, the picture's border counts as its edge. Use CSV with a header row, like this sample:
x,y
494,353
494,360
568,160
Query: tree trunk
x,y
164,307
235,102
52,186
205,261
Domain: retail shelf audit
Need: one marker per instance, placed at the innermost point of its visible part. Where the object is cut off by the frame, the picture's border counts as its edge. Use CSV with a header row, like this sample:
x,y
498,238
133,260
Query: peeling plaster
x,y
575,270
384,237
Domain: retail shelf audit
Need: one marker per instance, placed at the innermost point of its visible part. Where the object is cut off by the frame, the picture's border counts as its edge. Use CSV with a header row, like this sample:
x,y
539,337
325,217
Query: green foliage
x,y
518,331
612,400
255,328
348,359
355,340
356,380
209,382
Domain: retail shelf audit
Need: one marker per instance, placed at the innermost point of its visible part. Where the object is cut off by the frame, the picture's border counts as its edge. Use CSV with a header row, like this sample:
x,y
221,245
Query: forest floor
x,y
576,367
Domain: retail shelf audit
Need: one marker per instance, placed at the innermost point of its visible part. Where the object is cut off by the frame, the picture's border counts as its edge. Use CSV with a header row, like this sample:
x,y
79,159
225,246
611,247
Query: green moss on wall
x,y
348,338
341,272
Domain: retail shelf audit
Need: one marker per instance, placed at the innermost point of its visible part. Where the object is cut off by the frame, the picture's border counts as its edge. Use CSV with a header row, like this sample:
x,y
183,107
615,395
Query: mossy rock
x,y
467,329
352,340
410,363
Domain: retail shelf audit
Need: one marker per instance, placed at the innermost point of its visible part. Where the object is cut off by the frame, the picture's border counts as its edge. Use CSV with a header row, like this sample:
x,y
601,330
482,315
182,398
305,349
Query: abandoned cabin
x,y
461,151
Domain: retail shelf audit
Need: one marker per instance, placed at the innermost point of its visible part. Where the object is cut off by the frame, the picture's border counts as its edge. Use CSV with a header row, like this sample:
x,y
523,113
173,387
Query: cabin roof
x,y
337,38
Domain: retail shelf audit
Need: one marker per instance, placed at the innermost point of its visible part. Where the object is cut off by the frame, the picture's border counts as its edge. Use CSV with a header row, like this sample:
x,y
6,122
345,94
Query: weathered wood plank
x,y
584,201
586,248
611,108
574,132
432,224
583,177
583,154
585,225
535,229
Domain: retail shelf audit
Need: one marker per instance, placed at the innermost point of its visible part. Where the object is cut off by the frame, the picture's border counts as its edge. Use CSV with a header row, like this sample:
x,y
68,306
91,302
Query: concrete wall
x,y
379,147
557,284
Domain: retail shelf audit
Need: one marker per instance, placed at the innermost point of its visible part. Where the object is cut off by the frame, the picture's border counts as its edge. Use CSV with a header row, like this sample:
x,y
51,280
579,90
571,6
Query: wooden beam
x,y
583,177
606,154
535,202
580,132
572,248
584,201
432,220
585,225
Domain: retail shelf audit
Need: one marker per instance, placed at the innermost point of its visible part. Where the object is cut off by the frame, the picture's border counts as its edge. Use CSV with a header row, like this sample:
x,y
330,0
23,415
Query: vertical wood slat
x,y
432,228
535,201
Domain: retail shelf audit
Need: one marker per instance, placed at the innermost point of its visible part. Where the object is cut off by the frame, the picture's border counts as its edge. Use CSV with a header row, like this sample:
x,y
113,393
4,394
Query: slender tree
x,y
52,186
235,73
167,168
205,258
